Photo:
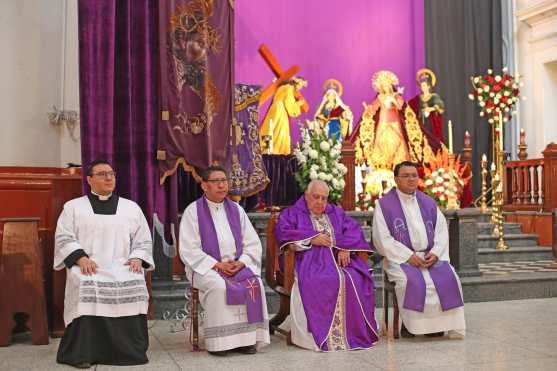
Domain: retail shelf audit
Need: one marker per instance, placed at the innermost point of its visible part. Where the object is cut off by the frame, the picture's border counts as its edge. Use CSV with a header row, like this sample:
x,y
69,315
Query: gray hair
x,y
317,183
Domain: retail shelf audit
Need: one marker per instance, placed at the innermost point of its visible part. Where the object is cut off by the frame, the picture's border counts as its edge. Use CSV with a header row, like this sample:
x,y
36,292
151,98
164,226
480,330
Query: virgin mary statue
x,y
389,132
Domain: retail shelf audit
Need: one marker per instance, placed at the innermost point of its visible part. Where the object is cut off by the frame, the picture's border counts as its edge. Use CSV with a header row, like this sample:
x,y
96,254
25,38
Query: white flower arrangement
x,y
318,157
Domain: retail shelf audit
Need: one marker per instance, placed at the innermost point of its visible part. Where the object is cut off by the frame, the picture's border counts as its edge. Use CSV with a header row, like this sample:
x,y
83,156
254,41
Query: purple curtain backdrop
x,y
345,40
119,99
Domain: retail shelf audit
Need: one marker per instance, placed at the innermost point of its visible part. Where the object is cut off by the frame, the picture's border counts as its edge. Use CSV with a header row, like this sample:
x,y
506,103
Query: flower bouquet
x,y
496,94
318,157
444,179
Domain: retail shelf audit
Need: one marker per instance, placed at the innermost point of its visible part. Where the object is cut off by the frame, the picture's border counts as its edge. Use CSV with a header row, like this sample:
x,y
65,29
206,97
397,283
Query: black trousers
x,y
121,341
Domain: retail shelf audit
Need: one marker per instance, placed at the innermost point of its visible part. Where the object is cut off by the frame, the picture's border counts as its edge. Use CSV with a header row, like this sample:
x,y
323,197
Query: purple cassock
x,y
243,287
320,276
441,273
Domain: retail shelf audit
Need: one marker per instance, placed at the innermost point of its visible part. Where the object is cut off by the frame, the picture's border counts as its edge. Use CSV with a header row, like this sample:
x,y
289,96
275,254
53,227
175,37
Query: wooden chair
x,y
389,288
194,313
22,279
281,281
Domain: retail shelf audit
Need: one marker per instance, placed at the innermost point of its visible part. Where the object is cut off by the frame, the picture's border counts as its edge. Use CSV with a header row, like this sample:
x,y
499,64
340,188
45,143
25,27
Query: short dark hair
x,y
96,162
205,174
402,164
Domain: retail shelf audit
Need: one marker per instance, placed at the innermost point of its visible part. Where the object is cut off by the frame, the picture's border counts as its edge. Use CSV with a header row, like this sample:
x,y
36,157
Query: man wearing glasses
x,y
104,243
222,256
411,233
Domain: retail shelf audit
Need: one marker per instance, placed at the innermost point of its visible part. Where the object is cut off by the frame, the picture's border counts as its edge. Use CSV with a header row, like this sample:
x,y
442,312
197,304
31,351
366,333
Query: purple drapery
x,y
283,189
119,98
197,82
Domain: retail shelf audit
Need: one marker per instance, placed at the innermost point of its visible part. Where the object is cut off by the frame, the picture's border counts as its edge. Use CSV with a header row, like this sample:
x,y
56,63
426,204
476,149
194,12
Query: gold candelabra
x,y
483,203
499,195
493,173
497,192
497,173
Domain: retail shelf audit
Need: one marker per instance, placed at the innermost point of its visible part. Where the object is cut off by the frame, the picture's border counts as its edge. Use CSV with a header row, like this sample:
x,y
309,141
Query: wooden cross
x,y
281,75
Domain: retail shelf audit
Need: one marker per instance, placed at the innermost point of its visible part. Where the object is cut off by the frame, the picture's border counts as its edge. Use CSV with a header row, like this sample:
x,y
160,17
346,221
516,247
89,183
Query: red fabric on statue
x,y
435,120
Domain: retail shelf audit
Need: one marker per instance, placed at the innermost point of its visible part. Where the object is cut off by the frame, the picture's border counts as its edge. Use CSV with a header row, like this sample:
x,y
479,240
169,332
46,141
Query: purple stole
x,y
243,287
441,273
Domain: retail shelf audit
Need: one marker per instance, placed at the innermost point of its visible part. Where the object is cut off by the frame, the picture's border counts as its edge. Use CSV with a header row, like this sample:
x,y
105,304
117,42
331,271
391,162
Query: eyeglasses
x,y
408,176
217,181
105,174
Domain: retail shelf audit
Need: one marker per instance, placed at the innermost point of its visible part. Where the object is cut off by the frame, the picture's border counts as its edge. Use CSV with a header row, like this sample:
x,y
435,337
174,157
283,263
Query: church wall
x,y
31,34
536,56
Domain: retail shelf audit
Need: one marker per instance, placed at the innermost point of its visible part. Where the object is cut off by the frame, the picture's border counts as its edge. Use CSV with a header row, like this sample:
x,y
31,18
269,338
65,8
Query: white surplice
x,y
110,241
225,326
433,319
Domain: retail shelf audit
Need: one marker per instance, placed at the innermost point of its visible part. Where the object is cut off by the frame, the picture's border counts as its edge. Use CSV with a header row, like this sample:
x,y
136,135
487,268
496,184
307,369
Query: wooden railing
x,y
531,185
524,180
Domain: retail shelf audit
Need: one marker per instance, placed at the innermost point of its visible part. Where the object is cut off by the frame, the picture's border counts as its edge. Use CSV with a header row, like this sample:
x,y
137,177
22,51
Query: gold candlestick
x,y
493,209
483,204
501,244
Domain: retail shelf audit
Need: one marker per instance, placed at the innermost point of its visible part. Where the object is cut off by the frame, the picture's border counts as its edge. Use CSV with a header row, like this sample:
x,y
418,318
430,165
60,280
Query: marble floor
x,y
505,335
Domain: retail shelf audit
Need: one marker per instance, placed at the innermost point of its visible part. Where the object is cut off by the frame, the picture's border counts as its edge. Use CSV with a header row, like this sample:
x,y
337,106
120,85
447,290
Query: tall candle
x,y
450,137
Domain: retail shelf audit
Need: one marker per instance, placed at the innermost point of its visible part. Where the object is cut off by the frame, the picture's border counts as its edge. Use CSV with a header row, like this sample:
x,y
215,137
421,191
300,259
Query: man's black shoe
x,y
405,333
220,353
247,350
81,365
435,334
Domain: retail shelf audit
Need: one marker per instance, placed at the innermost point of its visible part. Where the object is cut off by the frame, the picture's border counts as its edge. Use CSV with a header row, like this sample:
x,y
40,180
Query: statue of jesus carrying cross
x,y
274,133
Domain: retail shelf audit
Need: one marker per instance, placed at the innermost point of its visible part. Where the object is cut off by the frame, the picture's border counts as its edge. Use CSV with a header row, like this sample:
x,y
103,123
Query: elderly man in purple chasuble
x,y
222,255
333,297
411,233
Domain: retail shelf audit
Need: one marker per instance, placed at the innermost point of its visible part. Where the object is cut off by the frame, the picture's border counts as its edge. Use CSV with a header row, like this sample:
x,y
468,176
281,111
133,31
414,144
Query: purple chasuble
x,y
441,273
243,287
319,276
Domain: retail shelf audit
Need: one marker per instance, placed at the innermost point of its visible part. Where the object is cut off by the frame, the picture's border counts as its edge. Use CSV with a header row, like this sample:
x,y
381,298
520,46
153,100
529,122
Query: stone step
x,y
513,240
514,254
510,228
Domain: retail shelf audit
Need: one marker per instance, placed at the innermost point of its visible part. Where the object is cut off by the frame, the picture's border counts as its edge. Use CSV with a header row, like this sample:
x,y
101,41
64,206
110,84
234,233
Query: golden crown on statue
x,y
383,77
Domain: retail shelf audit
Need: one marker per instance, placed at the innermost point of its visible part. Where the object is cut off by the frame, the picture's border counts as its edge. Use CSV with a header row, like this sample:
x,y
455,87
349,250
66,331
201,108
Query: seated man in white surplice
x,y
411,233
104,243
222,255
